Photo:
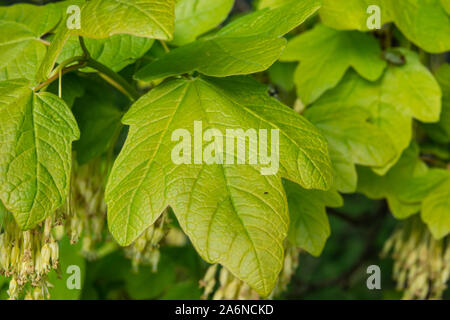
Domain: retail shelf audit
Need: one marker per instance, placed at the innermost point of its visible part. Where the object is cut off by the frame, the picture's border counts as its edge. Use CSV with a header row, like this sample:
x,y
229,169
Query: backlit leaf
x,y
326,54
350,14
418,19
309,227
351,135
404,92
441,131
247,45
436,209
35,152
21,47
195,17
232,213
142,18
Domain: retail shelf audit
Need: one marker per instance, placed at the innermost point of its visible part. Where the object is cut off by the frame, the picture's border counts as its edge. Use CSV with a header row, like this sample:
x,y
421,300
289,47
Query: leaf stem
x,y
66,63
44,41
106,73
74,67
114,79
164,45
109,75
84,48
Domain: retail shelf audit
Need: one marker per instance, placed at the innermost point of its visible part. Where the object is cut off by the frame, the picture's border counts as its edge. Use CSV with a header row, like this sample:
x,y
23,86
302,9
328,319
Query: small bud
x,y
38,293
45,257
231,289
157,236
13,289
154,260
210,273
54,253
224,277
140,244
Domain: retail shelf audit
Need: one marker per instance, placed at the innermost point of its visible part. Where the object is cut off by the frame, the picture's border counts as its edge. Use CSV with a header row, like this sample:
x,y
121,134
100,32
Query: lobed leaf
x,y
403,93
232,214
35,152
326,54
436,208
249,44
115,52
404,186
351,135
309,228
418,19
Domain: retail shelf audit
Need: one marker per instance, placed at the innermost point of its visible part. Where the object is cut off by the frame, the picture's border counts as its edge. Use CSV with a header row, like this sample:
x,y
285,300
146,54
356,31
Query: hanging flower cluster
x,y
421,263
86,214
229,287
27,257
145,250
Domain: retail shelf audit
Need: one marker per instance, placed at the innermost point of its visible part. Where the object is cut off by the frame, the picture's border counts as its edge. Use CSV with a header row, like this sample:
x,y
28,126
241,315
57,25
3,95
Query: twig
x,y
109,75
114,79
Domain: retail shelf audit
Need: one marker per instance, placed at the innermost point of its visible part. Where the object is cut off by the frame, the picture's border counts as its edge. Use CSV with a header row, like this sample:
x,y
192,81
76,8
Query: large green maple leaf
x,y
232,213
403,93
409,187
247,45
395,184
326,54
353,140
35,152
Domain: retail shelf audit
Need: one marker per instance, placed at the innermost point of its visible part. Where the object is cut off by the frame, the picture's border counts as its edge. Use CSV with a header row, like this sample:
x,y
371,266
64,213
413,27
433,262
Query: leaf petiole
x,y
85,60
54,77
109,75
114,79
